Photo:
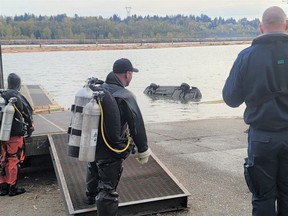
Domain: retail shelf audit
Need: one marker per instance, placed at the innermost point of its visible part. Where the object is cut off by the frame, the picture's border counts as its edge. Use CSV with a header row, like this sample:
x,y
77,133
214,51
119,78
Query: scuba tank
x,y
90,125
82,97
7,119
86,122
2,104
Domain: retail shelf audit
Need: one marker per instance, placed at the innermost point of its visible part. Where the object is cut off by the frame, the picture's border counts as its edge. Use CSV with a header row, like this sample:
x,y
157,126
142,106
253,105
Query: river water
x,y
62,74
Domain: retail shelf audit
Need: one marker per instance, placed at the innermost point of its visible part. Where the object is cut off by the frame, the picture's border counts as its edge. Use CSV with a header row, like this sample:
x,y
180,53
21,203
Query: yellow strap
x,y
103,136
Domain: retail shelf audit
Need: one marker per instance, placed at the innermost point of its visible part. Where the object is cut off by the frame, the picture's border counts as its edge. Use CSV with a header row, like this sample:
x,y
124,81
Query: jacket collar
x,y
270,38
113,79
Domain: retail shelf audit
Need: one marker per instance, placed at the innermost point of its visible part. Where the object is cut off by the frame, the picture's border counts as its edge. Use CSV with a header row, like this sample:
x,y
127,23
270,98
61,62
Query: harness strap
x,y
75,108
74,131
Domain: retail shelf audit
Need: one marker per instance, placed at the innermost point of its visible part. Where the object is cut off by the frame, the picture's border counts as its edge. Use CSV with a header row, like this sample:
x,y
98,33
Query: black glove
x,y
30,131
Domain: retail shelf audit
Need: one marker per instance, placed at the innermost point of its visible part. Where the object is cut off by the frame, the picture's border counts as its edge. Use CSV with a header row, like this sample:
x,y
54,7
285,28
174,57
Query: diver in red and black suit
x,y
12,151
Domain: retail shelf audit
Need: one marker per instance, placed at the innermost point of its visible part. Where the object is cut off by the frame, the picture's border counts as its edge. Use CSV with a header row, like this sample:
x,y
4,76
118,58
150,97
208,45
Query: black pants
x,y
266,172
92,179
102,180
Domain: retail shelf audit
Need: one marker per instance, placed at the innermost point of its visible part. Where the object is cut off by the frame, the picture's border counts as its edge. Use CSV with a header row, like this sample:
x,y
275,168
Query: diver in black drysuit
x,y
104,174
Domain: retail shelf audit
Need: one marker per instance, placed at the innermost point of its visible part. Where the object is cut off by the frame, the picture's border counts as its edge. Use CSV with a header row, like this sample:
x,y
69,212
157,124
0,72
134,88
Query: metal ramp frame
x,y
143,189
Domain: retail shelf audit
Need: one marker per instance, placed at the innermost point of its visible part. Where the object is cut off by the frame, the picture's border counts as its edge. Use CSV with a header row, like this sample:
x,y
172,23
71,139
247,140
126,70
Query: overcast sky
x,y
106,8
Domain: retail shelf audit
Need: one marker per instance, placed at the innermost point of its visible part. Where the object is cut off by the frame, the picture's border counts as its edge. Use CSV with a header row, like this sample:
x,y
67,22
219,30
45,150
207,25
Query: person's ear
x,y
286,26
261,28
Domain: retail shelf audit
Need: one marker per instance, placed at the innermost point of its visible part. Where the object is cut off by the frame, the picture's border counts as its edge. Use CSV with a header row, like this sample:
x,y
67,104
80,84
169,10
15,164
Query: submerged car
x,y
182,92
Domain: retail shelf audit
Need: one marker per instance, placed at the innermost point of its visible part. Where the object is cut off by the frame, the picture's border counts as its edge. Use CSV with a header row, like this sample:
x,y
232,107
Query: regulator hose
x,y
103,135
17,109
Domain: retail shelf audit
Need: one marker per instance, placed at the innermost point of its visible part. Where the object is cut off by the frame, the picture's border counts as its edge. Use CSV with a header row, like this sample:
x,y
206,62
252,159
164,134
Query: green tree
x,y
46,33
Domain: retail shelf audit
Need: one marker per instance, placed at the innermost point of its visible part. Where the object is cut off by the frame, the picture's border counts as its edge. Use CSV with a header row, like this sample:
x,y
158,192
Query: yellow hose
x,y
103,136
17,109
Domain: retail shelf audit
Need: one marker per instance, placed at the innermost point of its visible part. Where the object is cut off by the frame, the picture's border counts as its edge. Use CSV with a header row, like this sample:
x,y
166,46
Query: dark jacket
x,y
259,77
129,114
23,119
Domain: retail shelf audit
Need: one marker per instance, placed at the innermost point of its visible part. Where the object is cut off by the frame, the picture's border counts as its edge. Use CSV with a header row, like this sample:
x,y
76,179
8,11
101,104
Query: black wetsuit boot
x,y
14,190
4,189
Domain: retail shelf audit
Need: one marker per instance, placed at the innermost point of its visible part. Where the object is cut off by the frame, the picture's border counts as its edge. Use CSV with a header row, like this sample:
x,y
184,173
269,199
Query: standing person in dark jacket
x,y
12,152
104,174
259,77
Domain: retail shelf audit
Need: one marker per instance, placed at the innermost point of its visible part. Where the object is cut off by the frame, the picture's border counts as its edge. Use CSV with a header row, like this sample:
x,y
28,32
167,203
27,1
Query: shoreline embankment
x,y
100,47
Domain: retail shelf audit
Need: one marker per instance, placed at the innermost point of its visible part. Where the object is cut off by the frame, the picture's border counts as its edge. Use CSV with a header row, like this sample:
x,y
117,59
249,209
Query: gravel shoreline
x,y
99,47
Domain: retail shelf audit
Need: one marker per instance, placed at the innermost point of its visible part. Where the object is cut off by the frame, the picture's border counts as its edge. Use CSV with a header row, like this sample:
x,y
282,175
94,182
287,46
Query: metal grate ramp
x,y
40,99
143,189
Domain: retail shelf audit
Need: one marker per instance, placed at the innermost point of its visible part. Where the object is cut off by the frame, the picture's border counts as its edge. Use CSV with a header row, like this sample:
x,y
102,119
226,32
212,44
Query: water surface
x,y
207,67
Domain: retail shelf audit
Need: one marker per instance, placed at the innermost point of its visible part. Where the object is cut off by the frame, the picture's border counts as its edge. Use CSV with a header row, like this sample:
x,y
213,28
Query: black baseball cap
x,y
123,65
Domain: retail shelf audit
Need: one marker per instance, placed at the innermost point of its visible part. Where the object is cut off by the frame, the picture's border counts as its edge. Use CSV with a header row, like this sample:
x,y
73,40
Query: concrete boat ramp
x,y
207,157
144,189
196,168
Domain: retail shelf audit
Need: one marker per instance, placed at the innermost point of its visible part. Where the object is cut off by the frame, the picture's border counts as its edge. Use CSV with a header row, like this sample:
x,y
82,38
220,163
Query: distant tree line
x,y
168,28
